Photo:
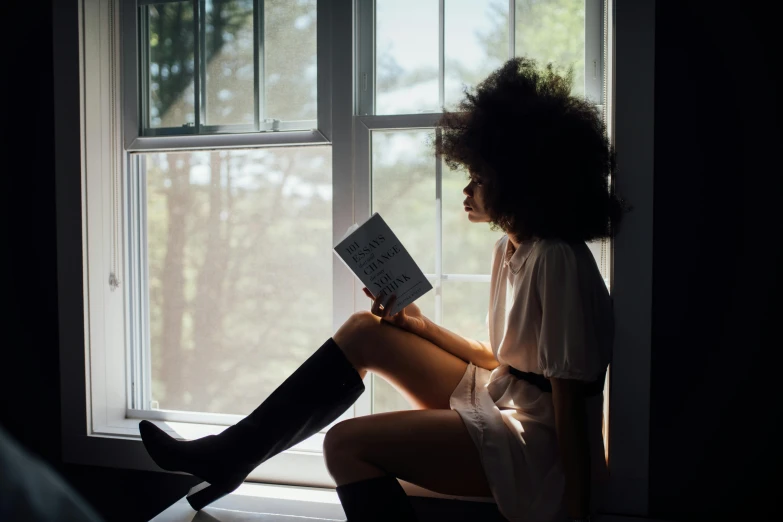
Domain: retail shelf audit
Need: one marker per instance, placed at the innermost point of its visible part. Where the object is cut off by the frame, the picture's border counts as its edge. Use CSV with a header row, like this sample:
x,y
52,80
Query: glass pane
x,y
403,190
553,31
467,246
476,43
171,65
465,307
236,305
290,74
385,397
406,56
230,74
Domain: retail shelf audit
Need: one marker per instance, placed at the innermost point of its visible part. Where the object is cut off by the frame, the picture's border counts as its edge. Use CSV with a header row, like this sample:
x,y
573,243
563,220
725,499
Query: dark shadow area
x,y
714,452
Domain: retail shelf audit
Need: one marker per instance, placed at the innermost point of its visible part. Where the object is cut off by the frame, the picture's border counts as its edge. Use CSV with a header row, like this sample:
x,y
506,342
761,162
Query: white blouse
x,y
549,313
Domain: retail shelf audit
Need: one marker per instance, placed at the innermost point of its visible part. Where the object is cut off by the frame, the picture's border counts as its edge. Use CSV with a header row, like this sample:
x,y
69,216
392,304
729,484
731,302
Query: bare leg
x,y
423,372
430,448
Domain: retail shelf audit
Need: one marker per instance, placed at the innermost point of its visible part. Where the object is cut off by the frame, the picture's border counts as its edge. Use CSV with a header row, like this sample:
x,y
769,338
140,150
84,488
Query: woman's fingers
x,y
376,307
368,293
378,302
390,304
387,308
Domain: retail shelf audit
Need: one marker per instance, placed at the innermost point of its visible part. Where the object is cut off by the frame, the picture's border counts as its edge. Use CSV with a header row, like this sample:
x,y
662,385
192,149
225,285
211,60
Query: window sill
x,y
266,502
262,501
252,501
299,468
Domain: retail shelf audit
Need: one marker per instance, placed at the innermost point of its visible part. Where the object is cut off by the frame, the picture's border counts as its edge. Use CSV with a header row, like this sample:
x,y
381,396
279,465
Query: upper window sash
x,y
139,135
506,25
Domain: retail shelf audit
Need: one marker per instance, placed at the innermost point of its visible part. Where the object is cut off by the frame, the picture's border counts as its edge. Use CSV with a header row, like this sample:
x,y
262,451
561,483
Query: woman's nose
x,y
467,190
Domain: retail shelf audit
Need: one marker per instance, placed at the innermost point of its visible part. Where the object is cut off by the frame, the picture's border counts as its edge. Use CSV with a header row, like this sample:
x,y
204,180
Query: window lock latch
x,y
273,124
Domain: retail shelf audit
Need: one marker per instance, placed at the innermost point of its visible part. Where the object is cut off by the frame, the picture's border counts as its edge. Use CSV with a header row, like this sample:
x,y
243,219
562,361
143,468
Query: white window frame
x,y
95,426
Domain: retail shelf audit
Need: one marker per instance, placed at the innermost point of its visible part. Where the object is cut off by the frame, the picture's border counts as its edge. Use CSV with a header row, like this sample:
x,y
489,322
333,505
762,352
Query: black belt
x,y
543,384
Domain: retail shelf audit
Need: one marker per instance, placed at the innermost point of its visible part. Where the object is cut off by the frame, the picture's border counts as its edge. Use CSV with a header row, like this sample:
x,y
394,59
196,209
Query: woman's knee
x,y
354,334
340,445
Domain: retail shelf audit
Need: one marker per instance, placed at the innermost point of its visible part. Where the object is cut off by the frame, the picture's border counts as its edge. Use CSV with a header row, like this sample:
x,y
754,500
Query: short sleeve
x,y
564,347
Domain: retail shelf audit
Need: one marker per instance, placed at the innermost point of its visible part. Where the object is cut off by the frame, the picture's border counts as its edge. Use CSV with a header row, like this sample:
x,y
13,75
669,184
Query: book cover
x,y
380,261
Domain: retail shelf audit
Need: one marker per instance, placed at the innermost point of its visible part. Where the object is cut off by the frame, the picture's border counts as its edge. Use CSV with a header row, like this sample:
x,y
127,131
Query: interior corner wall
x,y
716,263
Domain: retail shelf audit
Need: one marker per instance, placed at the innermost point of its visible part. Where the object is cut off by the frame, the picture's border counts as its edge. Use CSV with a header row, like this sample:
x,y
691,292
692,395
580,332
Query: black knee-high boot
x,y
380,499
318,392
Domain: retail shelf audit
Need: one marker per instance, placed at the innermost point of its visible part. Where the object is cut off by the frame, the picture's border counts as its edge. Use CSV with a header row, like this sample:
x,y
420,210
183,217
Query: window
x,y
416,56
241,140
225,299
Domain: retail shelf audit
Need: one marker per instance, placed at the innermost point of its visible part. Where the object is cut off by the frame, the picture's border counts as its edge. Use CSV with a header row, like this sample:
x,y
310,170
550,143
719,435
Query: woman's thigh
x,y
429,448
423,372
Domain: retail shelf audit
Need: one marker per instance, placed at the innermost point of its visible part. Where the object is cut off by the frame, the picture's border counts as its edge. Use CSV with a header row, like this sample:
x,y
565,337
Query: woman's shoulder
x,y
559,254
560,259
555,249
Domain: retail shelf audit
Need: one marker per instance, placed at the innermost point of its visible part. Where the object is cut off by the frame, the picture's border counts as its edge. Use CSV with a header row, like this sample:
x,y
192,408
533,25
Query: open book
x,y
377,257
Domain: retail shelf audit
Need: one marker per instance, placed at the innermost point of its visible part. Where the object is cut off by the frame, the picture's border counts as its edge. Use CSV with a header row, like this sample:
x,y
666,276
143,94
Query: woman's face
x,y
474,203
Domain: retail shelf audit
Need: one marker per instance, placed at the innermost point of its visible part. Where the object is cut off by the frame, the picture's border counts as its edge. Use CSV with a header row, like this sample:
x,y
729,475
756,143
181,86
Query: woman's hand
x,y
409,318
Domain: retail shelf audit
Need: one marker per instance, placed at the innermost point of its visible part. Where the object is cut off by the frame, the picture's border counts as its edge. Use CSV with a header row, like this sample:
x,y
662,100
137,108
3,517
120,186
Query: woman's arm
x,y
477,352
571,425
411,319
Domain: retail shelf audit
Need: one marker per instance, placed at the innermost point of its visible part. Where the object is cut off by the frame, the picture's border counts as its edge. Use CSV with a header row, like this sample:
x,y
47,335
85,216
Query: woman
x,y
518,418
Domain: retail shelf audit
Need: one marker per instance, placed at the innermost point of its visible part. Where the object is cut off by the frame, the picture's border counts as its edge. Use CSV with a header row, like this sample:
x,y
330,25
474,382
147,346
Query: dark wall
x,y
29,357
717,261
29,380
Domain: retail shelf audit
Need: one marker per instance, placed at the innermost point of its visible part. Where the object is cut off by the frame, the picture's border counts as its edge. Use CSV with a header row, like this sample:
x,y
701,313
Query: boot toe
x,y
157,443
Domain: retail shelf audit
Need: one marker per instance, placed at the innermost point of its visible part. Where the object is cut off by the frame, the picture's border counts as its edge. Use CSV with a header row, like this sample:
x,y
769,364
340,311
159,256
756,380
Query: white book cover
x,y
380,261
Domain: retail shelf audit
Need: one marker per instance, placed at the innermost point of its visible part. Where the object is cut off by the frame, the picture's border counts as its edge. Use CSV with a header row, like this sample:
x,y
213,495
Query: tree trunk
x,y
208,303
173,281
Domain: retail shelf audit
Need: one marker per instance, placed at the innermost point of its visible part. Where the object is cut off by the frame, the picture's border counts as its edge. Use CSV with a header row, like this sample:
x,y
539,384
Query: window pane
x,y
290,73
235,304
465,307
476,43
403,190
406,56
171,65
230,71
385,397
467,246
553,31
